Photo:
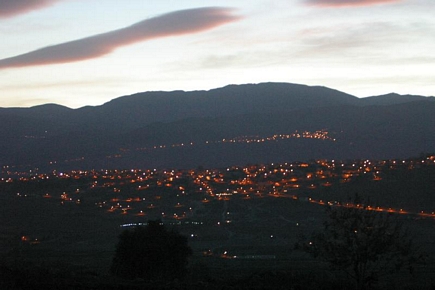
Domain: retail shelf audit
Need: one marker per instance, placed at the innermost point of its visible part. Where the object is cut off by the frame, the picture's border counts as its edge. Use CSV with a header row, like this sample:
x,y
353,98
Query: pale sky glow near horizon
x,y
88,52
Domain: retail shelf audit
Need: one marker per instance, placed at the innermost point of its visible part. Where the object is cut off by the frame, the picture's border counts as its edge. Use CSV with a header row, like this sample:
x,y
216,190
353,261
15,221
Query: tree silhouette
x,y
364,243
152,253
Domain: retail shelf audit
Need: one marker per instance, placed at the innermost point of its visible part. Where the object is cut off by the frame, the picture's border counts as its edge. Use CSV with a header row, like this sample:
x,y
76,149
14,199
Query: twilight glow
x,y
87,52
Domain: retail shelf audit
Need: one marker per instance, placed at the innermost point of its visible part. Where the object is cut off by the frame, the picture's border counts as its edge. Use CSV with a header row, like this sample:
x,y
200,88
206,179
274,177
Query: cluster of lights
x,y
320,135
284,180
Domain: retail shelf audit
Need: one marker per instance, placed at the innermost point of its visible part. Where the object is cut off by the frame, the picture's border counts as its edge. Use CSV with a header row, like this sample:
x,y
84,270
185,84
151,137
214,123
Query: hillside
x,y
187,129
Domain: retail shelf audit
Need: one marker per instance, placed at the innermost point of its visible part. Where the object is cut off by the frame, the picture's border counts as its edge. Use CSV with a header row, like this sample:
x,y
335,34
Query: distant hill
x,y
147,129
144,108
392,99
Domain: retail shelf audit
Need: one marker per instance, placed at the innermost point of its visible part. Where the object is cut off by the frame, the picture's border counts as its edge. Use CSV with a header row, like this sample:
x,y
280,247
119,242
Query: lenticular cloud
x,y
171,24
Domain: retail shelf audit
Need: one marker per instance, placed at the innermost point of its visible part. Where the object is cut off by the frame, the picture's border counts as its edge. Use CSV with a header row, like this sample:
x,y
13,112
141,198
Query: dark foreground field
x,y
75,245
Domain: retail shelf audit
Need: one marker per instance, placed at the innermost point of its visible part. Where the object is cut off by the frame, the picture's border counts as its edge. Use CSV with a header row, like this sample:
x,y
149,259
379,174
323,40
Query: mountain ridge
x,y
159,92
129,127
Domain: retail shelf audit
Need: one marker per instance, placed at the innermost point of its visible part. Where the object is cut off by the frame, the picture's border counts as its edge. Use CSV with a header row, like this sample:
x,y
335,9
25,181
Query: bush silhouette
x,y
152,253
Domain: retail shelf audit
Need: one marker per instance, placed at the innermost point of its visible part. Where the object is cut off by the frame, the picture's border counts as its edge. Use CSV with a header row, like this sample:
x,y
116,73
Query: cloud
x,y
171,24
343,3
10,8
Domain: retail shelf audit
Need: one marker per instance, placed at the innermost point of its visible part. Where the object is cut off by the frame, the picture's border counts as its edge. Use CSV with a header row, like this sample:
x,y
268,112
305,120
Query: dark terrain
x,y
245,172
123,132
242,222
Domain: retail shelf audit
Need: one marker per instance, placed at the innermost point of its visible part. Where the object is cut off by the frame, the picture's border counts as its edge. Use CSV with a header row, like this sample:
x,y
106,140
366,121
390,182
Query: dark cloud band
x,y
171,24
10,8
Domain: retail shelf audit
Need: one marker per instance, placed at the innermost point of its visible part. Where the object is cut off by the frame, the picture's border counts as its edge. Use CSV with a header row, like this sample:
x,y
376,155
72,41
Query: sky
x,y
86,52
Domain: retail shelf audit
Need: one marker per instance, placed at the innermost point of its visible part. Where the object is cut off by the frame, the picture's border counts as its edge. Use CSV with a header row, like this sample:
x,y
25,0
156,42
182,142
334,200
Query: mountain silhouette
x,y
171,129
